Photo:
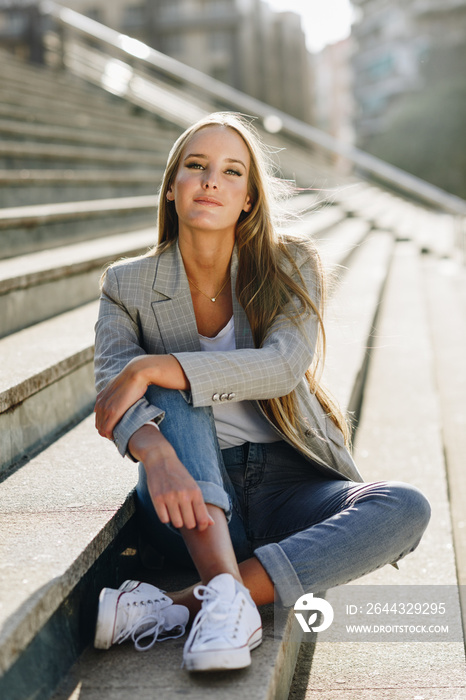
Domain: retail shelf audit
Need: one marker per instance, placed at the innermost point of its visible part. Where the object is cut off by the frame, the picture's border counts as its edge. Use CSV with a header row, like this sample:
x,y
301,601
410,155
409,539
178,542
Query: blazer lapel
x,y
173,308
172,305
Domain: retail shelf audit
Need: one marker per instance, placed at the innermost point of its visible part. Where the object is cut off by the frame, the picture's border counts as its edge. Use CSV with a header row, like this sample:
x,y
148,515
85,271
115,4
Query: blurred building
x,y
393,42
240,42
333,90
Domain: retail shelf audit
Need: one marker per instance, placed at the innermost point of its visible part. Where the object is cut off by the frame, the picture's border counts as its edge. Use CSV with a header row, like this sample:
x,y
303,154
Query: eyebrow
x,y
202,155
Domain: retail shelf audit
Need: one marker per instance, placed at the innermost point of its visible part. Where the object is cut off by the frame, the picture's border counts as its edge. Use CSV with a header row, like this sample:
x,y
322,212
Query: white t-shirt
x,y
236,422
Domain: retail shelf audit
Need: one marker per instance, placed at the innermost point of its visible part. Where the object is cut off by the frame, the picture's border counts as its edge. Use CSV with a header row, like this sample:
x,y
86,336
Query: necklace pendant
x,y
213,298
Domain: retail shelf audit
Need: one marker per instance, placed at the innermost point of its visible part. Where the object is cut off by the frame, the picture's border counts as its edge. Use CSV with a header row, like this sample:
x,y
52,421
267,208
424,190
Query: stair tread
x,y
33,361
52,151
75,495
32,268
41,213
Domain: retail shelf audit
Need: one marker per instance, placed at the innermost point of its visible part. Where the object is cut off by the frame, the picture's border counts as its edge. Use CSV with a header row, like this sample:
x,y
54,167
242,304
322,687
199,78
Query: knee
x,y
413,509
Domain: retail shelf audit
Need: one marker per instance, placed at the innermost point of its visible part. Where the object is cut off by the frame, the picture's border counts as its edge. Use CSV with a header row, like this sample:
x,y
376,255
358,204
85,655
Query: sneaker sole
x,y
223,660
105,619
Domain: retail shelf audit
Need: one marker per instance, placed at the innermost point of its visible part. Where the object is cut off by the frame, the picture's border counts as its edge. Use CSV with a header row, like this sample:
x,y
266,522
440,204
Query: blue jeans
x,y
309,532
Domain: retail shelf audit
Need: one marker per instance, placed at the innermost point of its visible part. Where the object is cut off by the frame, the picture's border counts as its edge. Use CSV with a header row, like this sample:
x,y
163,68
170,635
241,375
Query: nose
x,y
210,180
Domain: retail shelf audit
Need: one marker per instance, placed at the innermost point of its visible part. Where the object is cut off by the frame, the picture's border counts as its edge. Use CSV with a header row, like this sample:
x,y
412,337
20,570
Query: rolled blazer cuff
x,y
141,412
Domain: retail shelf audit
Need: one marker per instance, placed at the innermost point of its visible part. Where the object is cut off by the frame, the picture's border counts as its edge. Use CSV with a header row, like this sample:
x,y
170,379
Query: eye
x,y
234,172
195,166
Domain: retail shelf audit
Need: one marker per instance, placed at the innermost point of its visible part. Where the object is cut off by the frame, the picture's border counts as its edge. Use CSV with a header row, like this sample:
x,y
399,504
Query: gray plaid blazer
x,y
146,307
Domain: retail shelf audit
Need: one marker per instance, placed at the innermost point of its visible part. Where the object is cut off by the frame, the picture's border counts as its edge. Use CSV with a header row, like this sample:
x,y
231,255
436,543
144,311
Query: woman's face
x,y
210,189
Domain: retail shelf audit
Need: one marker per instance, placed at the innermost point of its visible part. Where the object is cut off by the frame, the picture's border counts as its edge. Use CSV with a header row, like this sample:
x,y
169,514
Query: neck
x,y
206,259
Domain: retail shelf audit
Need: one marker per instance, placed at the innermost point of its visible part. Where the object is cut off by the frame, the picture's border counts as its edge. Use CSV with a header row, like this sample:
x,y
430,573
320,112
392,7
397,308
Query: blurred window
x,y
13,24
220,73
381,66
216,7
134,16
218,40
171,11
173,44
373,104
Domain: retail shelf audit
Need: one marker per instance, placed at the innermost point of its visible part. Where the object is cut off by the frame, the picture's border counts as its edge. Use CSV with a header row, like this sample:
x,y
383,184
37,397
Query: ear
x,y
247,204
170,195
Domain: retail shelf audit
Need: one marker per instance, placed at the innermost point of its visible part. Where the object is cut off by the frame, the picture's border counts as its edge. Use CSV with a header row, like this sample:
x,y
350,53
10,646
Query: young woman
x,y
207,358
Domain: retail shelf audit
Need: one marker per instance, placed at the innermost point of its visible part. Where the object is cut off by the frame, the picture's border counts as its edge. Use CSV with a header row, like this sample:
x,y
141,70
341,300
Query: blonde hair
x,y
263,287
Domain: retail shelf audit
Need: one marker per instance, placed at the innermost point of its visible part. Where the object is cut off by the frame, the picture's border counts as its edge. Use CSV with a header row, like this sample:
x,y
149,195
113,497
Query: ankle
x,y
186,597
211,572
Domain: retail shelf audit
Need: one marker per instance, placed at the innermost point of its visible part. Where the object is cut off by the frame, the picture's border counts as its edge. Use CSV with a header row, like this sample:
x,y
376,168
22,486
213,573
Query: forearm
x,y
147,445
175,495
162,370
248,374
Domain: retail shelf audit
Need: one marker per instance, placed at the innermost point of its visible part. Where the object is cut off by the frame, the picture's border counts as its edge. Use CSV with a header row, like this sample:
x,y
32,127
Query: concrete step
x,y
27,187
37,84
38,155
46,85
444,285
130,122
46,382
435,233
64,520
40,285
41,83
25,131
340,242
40,78
352,315
400,437
98,114
29,229
318,220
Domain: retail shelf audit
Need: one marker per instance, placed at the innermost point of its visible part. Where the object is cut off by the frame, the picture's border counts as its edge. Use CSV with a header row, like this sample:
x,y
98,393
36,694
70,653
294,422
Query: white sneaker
x,y
225,629
138,611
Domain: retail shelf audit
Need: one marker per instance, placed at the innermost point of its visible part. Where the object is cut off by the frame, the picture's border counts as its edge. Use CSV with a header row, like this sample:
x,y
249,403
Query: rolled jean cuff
x,y
279,568
215,495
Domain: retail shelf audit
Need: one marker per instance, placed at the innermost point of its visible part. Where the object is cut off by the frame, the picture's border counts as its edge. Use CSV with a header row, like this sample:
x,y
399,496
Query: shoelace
x,y
155,631
146,626
219,613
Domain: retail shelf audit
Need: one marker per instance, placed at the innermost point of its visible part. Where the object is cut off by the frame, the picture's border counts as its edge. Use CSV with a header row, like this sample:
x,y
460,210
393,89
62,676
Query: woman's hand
x,y
131,384
175,495
120,393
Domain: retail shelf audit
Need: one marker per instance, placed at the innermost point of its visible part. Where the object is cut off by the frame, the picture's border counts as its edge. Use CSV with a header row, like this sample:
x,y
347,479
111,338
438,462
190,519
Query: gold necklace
x,y
214,298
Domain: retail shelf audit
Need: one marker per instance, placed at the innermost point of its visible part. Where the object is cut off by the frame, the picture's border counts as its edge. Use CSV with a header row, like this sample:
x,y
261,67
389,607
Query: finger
x,y
162,512
167,508
175,516
201,514
203,518
187,513
102,427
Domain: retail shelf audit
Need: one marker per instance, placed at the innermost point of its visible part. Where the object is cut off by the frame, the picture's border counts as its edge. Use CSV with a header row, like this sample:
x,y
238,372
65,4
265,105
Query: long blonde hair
x,y
263,287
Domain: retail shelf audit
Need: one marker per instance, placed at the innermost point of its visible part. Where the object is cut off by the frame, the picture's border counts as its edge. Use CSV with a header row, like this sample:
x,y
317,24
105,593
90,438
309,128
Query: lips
x,y
210,201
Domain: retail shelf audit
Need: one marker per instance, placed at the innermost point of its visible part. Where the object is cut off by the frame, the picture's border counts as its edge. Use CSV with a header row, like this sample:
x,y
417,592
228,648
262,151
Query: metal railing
x,y
138,53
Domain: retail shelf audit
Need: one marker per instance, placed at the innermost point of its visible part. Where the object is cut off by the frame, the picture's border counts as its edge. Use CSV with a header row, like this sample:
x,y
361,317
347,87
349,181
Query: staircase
x,y
79,169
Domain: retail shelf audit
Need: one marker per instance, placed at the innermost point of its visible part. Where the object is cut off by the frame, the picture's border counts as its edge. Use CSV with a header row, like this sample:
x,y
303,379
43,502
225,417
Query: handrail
x,y
396,177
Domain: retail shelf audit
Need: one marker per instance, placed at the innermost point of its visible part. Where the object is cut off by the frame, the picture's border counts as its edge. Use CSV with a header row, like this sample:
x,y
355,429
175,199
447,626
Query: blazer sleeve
x,y
117,341
273,370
